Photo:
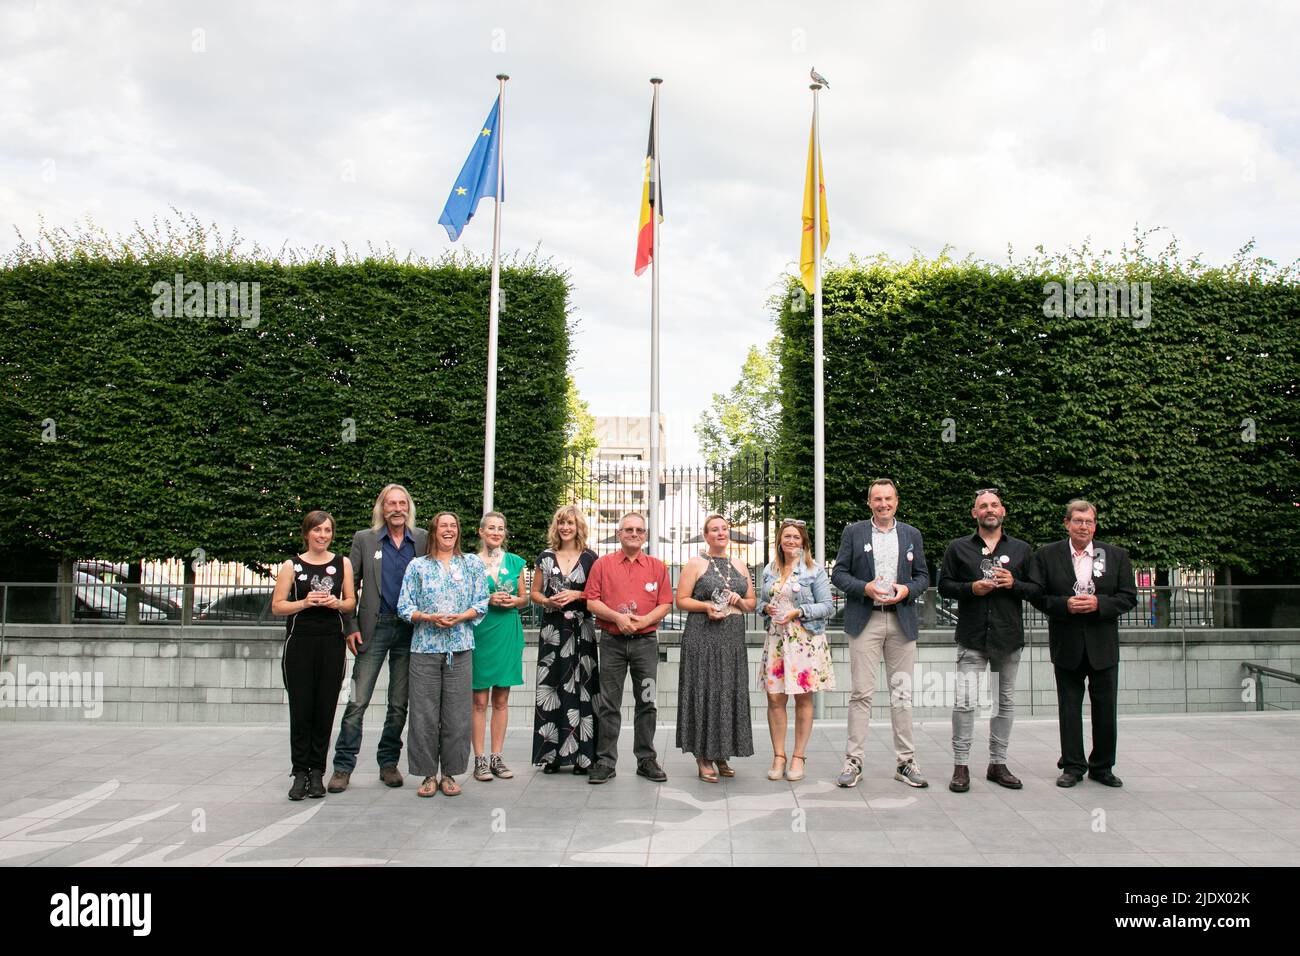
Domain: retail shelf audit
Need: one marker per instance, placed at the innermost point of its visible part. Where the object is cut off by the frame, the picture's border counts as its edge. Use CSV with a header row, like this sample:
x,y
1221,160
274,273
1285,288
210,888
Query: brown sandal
x,y
724,769
428,788
449,786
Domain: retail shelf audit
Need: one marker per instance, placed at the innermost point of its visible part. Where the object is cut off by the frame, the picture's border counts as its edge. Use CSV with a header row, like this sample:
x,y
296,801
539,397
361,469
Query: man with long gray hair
x,y
379,558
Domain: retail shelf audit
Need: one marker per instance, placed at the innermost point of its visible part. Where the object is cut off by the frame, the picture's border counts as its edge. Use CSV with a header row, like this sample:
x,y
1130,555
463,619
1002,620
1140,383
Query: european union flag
x,y
478,177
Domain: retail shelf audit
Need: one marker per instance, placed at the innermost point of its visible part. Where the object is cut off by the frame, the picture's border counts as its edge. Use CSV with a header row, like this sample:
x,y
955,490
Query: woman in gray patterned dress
x,y
713,682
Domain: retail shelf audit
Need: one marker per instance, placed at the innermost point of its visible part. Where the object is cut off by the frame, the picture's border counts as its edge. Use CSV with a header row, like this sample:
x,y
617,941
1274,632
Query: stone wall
x,y
162,674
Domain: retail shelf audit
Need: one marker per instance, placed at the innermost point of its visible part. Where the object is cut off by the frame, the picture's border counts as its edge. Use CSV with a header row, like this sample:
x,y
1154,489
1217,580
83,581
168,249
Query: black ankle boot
x,y
315,784
299,789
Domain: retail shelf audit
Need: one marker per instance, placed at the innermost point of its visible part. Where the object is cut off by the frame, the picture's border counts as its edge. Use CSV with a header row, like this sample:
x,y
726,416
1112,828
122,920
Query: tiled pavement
x,y
1199,791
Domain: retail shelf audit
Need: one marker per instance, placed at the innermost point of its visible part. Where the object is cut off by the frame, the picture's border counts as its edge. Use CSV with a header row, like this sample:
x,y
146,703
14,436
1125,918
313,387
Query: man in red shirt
x,y
630,593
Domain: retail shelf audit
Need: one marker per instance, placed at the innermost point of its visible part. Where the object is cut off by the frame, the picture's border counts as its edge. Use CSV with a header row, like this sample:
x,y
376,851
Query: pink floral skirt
x,y
795,661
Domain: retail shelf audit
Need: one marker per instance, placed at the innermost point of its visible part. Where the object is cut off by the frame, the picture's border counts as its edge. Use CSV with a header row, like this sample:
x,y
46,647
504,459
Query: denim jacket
x,y
815,604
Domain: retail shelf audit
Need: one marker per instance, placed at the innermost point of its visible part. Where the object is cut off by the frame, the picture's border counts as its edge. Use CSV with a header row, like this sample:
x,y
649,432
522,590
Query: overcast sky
x,y
969,124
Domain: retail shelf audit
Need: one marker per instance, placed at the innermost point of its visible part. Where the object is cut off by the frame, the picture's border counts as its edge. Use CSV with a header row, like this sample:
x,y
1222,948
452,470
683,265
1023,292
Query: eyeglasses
x,y
987,491
1084,522
632,530
797,522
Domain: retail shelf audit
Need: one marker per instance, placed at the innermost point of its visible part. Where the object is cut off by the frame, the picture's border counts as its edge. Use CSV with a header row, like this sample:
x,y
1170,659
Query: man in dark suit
x,y
1085,587
379,558
881,570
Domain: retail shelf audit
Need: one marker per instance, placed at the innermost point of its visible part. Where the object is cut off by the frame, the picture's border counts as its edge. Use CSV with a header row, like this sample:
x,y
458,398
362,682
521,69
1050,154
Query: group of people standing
x,y
1082,585
448,625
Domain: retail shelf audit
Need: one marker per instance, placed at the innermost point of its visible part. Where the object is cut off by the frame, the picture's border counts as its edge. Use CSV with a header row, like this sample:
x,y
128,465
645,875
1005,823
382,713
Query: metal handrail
x,y
1264,671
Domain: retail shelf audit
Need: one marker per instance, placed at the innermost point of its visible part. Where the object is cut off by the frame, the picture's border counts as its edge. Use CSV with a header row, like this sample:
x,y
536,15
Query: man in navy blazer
x,y
1085,587
881,570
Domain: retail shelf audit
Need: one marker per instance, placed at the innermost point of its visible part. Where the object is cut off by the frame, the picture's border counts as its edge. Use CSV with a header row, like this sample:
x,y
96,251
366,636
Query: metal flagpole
x,y
818,385
652,515
494,304
819,391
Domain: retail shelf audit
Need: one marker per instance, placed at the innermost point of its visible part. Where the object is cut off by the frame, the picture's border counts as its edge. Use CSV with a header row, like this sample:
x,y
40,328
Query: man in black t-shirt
x,y
986,573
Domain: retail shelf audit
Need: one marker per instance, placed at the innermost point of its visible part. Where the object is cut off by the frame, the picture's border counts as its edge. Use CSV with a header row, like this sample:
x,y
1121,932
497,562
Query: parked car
x,y
240,606
97,600
165,597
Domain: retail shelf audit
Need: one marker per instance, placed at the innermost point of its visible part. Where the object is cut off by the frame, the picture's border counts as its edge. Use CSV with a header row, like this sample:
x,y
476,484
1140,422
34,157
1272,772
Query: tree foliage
x,y
746,420
948,376
580,425
128,435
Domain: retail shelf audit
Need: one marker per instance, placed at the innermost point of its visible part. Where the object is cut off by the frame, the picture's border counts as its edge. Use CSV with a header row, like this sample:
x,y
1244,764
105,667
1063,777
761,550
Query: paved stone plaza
x,y
1199,791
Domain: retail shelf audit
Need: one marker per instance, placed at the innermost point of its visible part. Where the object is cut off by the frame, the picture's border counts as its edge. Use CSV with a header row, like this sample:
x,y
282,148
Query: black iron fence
x,y
744,490
1239,607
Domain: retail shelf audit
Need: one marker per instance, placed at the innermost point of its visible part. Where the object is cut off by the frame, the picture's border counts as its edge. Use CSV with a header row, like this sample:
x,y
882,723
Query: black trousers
x,y
313,667
1103,693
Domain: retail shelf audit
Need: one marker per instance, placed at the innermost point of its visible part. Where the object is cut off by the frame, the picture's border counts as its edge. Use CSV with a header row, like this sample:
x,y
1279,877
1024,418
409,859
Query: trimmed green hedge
x,y
1149,420
176,433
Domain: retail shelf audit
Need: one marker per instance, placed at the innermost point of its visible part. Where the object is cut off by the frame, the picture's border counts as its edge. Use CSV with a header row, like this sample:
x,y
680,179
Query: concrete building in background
x,y
627,438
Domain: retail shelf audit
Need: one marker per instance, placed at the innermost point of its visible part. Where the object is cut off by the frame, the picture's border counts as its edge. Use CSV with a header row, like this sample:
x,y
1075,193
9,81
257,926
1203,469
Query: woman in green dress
x,y
498,645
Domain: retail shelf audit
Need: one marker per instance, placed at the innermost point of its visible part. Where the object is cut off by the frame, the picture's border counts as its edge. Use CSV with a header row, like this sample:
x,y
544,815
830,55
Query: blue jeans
x,y
392,640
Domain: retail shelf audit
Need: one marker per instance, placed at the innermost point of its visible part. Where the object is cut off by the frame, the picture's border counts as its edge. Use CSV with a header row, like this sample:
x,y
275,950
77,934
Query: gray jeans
x,y
1001,696
618,655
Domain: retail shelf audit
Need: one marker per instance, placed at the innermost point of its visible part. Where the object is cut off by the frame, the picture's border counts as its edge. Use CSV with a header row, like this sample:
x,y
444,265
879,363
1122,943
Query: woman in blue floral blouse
x,y
444,595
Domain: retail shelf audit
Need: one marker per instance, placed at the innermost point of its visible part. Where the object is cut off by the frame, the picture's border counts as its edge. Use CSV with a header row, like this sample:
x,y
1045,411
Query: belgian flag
x,y
651,199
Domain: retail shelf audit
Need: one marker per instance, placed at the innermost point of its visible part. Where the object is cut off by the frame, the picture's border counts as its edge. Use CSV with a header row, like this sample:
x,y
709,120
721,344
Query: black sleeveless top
x,y
308,577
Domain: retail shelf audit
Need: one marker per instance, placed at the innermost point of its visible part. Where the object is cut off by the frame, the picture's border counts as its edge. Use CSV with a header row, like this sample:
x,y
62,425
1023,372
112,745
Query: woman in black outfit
x,y
568,669
314,589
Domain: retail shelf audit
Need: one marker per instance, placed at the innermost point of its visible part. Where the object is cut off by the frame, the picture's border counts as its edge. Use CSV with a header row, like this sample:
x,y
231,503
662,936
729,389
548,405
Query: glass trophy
x,y
1084,588
987,568
784,606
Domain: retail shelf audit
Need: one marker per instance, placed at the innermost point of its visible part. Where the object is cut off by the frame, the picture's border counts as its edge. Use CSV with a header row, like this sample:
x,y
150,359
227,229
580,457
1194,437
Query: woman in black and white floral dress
x,y
568,674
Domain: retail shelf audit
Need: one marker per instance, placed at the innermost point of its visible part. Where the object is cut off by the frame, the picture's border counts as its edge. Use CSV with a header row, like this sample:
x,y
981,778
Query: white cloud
x,y
970,125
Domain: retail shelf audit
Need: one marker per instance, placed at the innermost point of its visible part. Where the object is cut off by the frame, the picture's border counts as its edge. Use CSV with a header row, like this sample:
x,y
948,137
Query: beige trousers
x,y
884,634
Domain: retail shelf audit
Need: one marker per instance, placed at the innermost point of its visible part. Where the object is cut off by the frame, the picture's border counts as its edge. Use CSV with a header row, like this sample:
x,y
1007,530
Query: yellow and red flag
x,y
651,203
807,253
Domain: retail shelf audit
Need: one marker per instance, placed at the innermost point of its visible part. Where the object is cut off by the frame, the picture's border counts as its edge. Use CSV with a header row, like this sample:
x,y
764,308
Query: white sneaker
x,y
851,773
910,774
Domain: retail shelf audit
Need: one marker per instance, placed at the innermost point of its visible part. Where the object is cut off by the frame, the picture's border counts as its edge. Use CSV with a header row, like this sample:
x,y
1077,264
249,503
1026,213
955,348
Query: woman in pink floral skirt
x,y
796,600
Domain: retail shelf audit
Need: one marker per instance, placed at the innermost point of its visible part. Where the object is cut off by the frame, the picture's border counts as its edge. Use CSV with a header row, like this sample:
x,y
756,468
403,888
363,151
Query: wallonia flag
x,y
807,253
651,198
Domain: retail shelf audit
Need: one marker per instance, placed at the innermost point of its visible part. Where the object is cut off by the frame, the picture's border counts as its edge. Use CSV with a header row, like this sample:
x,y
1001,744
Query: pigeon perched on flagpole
x,y
818,78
